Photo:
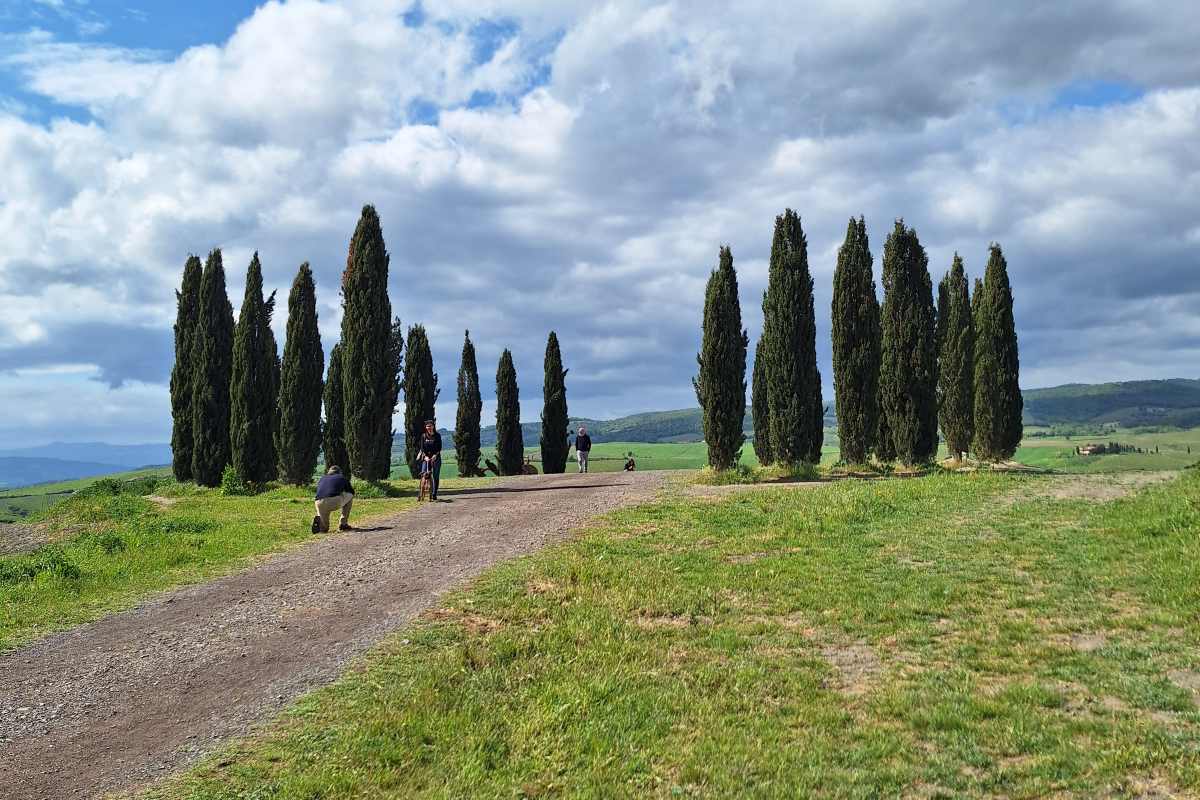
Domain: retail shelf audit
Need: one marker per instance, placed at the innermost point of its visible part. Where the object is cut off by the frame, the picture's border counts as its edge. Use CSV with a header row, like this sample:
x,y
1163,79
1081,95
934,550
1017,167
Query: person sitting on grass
x,y
431,455
334,492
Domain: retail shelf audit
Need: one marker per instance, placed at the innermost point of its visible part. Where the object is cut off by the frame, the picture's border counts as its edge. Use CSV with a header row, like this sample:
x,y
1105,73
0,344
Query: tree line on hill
x,y
241,413
901,370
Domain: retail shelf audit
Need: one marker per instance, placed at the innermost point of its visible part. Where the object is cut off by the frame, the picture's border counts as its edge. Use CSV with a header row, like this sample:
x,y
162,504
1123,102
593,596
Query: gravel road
x,y
130,698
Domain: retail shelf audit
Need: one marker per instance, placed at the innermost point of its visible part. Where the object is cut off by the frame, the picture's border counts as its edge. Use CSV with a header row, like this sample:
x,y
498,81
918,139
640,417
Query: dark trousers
x,y
435,475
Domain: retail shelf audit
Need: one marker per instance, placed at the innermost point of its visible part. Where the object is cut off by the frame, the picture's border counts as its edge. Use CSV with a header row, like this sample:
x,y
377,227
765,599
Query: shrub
x,y
46,559
231,483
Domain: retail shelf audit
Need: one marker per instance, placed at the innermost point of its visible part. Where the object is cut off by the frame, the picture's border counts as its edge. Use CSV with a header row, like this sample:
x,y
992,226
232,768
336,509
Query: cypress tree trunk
x,y
790,332
956,360
367,374
998,401
470,406
760,413
301,384
395,361
420,393
510,446
187,316
254,385
721,383
856,346
554,411
908,374
213,357
334,433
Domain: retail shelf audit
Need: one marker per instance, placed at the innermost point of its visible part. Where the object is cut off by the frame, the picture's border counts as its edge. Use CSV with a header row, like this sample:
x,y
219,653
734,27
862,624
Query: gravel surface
x,y
19,538
130,698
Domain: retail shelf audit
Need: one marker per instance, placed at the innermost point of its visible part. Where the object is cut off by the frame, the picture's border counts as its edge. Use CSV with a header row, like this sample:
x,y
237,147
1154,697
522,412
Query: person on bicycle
x,y
431,454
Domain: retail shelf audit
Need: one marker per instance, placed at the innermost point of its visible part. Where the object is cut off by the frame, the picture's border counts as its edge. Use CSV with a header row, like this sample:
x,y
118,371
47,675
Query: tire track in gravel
x,y
127,699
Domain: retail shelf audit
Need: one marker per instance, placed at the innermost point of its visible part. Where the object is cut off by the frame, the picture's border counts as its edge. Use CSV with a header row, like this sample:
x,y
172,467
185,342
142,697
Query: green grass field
x,y
953,636
1058,453
28,501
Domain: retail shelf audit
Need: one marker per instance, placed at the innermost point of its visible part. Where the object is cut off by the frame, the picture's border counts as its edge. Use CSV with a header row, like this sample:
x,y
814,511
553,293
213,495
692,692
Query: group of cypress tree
x,y
899,371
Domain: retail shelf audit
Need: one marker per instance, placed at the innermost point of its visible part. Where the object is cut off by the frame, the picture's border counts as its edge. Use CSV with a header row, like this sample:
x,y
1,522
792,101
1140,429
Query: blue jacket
x,y
333,485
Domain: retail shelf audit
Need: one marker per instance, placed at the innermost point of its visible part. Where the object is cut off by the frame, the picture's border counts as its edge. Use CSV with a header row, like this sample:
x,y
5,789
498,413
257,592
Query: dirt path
x,y
122,701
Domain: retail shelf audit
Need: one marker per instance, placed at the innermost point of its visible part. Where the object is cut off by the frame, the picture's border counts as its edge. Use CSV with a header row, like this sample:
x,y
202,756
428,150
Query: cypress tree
x,y
721,383
998,401
510,446
555,422
254,385
760,412
395,363
420,393
856,346
885,444
301,384
470,406
334,431
213,362
908,373
366,341
956,360
790,333
187,315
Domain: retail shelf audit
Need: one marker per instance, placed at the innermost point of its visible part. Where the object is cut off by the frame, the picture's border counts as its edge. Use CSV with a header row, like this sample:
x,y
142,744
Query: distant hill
x,y
123,455
16,471
1174,402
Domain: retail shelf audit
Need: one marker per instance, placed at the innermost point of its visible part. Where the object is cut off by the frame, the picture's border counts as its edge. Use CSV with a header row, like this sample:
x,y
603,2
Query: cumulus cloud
x,y
575,166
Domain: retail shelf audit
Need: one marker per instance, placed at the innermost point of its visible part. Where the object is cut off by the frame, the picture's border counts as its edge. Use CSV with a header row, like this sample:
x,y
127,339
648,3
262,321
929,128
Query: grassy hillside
x,y
1133,403
954,636
19,504
18,471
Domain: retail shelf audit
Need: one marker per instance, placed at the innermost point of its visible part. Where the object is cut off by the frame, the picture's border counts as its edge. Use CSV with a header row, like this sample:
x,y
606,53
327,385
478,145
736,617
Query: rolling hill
x,y
1174,403
17,471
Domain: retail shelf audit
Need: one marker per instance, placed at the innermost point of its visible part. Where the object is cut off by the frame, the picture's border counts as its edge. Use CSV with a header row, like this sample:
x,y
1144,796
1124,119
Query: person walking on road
x,y
334,493
583,447
431,453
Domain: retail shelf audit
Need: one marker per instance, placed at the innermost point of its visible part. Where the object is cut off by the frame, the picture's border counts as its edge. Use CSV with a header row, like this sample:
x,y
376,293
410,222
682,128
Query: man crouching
x,y
333,492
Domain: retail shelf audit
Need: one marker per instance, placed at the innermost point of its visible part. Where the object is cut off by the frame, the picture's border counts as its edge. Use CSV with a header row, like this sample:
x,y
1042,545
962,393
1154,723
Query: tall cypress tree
x,y
721,383
510,445
254,384
366,342
470,406
301,384
998,401
790,333
187,316
554,443
213,363
420,393
885,443
908,373
856,346
395,363
956,360
760,412
333,434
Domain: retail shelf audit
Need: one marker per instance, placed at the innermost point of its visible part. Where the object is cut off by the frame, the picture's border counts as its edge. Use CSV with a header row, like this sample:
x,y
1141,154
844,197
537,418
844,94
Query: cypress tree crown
x,y
470,406
301,384
998,401
334,431
908,373
510,444
367,370
187,318
213,363
254,387
420,393
760,412
721,383
789,322
554,444
856,346
956,360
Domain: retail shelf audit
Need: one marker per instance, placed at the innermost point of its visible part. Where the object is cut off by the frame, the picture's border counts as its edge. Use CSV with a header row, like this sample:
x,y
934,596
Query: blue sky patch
x,y
1095,94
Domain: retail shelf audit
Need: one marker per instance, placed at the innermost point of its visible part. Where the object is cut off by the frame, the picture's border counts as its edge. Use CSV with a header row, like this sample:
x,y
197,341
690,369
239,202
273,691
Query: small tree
x,y
554,443
213,364
956,360
420,393
856,346
254,386
510,444
760,411
334,432
721,383
301,384
908,373
187,317
998,401
470,406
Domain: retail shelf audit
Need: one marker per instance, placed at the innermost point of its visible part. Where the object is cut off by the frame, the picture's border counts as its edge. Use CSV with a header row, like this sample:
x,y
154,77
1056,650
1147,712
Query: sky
x,y
575,167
